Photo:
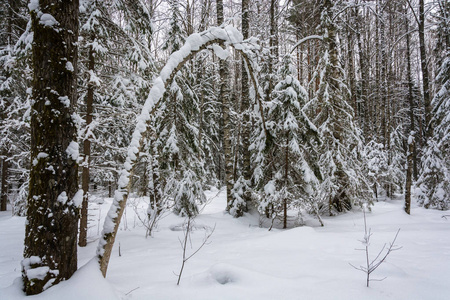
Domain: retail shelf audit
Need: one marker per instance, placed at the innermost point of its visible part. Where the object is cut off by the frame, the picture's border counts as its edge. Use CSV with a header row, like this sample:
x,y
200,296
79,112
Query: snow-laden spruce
x,y
290,181
341,160
434,182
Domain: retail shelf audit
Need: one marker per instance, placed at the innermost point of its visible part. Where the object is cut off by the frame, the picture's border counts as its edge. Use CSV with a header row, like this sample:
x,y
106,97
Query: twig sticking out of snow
x,y
372,265
190,224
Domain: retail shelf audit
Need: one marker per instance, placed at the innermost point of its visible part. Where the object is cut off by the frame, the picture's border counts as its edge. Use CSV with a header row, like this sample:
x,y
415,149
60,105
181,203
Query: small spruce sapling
x,y
372,265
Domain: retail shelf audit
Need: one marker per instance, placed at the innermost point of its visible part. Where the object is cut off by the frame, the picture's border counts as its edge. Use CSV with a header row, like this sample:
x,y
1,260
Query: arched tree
x,y
194,44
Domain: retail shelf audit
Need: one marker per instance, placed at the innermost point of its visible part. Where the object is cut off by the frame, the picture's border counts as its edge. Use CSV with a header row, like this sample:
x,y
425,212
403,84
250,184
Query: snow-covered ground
x,y
244,261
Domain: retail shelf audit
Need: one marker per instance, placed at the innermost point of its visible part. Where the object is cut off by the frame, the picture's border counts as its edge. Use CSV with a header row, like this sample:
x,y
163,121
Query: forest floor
x,y
244,261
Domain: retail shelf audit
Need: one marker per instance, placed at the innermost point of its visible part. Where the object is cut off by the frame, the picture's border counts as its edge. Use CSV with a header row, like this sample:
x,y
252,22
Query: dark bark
x,y
286,174
4,194
155,192
409,171
224,98
351,73
273,30
411,99
364,74
423,63
52,217
245,106
383,81
85,176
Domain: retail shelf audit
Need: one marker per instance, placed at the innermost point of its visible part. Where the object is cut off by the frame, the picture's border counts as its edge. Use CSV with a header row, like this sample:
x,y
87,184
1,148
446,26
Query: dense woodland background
x,y
324,105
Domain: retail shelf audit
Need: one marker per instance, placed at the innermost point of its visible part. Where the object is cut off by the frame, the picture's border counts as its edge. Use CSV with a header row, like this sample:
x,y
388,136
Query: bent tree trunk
x,y
194,43
50,253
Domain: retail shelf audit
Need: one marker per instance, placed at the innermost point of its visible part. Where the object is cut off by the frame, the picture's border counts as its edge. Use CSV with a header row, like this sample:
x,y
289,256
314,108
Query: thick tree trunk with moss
x,y
50,253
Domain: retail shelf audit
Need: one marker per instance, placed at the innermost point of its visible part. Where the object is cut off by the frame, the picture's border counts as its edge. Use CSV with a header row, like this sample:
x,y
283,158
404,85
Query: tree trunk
x,y
273,30
224,98
423,63
351,74
4,194
286,174
50,253
85,176
245,106
364,73
109,189
410,98
409,171
383,81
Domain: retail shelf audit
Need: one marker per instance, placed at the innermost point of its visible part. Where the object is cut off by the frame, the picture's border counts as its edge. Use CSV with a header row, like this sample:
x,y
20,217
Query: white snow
x,y
78,198
37,273
33,5
93,78
62,198
48,20
64,100
244,261
73,150
220,52
69,66
270,188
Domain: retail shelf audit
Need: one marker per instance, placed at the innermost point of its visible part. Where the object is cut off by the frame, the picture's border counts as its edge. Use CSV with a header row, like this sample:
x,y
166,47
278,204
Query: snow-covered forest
x,y
225,149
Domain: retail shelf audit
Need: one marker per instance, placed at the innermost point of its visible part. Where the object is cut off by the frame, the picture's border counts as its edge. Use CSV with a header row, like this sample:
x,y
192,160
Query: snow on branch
x,y
310,37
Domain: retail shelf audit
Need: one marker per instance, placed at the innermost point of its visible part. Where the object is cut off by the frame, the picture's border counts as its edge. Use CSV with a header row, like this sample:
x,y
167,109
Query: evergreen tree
x,y
434,181
181,161
341,161
377,165
116,68
293,182
15,77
